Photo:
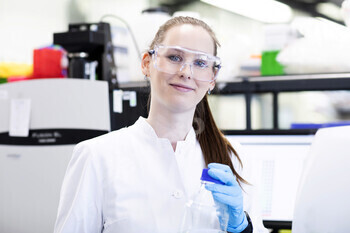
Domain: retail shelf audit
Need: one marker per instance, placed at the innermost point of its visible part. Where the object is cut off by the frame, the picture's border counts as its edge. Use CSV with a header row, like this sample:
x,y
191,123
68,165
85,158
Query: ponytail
x,y
215,146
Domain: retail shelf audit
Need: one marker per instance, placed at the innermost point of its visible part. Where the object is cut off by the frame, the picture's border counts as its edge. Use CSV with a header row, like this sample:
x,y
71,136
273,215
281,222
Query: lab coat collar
x,y
147,130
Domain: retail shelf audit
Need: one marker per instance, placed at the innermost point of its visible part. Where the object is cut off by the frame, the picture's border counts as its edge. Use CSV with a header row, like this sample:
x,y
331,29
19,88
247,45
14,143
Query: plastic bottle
x,y
203,214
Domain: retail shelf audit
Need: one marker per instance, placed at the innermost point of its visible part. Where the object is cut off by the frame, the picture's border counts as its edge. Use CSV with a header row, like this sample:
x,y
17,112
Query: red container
x,y
49,63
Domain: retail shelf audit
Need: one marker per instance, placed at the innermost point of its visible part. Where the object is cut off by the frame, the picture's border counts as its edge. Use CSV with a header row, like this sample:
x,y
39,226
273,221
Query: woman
x,y
139,178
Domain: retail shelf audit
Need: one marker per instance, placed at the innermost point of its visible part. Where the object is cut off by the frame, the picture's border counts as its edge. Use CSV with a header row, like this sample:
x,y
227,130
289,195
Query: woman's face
x,y
179,92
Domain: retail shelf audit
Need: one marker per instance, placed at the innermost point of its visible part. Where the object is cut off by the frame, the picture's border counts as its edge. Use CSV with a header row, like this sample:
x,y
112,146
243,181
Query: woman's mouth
x,y
182,88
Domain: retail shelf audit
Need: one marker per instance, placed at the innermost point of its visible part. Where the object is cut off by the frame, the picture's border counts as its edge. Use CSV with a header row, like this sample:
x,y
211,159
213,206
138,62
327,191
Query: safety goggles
x,y
174,59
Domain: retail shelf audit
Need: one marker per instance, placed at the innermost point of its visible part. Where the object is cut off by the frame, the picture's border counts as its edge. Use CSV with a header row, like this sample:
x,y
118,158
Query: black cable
x,y
129,29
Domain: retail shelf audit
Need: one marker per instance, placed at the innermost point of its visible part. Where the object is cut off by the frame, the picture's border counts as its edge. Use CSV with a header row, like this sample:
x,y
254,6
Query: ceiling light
x,y
266,11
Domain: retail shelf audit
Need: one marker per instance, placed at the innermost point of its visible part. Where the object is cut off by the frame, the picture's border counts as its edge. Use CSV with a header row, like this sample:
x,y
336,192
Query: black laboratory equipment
x,y
94,40
87,43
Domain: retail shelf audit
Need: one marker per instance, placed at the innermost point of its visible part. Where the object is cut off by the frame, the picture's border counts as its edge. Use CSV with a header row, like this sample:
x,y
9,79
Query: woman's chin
x,y
181,105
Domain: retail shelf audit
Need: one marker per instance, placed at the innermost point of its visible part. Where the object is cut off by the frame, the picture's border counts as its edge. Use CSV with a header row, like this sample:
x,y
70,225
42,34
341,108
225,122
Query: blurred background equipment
x,y
10,71
62,113
322,203
94,41
276,38
345,10
81,67
50,62
323,48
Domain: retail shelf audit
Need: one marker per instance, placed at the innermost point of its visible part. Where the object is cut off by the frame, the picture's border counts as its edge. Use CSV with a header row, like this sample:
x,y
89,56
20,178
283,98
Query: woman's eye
x,y
175,58
201,63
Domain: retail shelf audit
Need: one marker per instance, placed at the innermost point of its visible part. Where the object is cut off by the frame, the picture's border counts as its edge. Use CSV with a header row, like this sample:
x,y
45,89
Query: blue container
x,y
318,126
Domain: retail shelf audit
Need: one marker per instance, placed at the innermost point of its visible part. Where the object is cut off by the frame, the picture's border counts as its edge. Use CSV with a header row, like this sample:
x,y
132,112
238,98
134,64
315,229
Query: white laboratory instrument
x,y
55,114
322,203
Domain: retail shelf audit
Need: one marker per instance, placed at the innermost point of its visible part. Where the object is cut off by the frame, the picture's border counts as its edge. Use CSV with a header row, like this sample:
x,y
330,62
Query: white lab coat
x,y
131,181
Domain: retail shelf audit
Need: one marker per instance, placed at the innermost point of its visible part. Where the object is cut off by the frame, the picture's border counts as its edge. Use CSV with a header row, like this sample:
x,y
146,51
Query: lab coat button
x,y
178,194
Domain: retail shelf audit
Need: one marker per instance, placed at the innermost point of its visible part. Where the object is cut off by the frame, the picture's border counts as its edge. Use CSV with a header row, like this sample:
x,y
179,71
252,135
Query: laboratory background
x,y
70,71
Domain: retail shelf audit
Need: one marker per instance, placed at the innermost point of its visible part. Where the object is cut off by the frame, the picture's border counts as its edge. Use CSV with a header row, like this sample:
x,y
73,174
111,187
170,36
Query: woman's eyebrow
x,y
177,50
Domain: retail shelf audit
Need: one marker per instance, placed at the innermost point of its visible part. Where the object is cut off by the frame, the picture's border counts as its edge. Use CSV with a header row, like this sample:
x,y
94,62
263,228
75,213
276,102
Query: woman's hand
x,y
229,193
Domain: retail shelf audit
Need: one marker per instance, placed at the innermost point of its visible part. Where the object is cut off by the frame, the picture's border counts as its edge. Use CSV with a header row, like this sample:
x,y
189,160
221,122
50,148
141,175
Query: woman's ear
x,y
212,85
145,64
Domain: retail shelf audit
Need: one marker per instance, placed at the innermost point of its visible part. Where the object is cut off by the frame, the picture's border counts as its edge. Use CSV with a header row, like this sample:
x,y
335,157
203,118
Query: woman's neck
x,y
170,125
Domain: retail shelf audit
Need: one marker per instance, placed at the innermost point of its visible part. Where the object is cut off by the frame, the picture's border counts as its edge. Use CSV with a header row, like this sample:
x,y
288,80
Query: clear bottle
x,y
203,214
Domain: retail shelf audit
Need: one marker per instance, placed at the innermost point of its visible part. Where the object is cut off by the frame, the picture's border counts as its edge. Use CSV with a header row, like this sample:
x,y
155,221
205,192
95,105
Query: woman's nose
x,y
186,70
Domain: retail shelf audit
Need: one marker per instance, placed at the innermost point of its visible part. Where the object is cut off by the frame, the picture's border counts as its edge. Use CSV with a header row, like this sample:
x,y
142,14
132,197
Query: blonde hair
x,y
177,21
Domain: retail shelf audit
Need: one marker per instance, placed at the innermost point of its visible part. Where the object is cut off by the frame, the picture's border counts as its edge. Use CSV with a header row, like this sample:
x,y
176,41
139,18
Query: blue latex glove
x,y
230,194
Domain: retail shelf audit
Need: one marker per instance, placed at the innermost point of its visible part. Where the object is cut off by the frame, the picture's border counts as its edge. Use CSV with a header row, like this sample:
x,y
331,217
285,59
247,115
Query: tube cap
x,y
207,177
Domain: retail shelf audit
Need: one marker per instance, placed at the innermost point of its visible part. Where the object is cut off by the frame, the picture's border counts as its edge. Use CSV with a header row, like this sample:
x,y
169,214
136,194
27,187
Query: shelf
x,y
277,84
131,85
261,84
286,83
270,132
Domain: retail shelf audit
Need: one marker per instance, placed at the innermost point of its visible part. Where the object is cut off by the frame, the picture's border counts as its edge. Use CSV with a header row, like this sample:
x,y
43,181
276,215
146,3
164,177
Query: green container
x,y
269,64
3,80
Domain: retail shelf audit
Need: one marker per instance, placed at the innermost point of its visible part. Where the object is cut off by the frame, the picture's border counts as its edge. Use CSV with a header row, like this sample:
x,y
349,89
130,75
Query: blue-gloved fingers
x,y
220,166
218,188
230,190
226,177
224,189
234,202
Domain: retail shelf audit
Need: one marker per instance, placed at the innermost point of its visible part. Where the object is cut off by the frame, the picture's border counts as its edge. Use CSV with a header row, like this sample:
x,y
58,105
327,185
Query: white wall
x,y
25,25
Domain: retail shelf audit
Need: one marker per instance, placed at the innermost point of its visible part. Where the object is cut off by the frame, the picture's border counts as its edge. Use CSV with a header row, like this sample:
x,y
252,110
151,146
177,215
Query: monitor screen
x,y
273,165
